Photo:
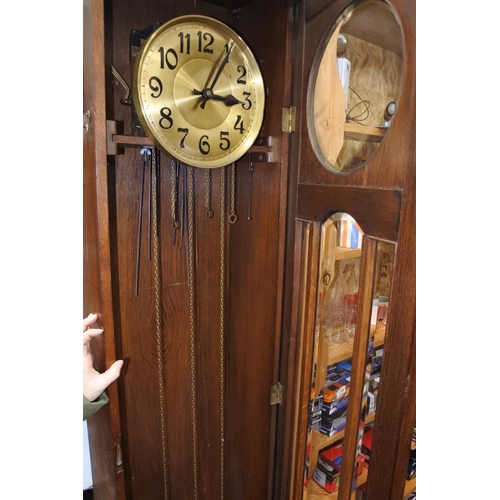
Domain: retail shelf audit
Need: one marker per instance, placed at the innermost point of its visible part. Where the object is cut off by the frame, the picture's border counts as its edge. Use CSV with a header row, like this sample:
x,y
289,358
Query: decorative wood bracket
x,y
262,151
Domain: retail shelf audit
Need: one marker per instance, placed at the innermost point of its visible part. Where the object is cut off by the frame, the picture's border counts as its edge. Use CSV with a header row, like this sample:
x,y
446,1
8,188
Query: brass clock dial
x,y
199,92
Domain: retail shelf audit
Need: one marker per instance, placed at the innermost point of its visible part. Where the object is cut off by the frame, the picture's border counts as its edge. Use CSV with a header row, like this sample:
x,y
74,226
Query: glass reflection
x,y
357,85
340,252
374,362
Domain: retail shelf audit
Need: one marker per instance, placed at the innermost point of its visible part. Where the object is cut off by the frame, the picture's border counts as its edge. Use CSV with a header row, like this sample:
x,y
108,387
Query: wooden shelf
x,y
342,253
364,132
316,492
411,484
322,440
376,25
339,352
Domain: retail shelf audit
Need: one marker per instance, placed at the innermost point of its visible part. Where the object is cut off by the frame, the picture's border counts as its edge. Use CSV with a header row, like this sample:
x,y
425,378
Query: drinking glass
x,y
334,325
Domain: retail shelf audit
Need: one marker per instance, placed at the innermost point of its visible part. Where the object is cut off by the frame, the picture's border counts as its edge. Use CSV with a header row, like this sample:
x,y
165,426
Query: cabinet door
x,y
376,188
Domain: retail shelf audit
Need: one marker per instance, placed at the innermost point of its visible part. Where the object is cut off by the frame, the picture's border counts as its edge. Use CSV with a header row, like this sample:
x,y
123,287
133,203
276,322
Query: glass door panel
x,y
334,339
379,301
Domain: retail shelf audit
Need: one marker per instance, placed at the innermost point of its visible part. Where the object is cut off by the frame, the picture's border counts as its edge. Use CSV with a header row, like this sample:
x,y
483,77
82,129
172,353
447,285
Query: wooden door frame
x,y
104,427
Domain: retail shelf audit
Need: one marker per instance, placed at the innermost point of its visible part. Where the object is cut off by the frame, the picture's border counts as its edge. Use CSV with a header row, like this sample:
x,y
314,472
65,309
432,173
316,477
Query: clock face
x,y
199,92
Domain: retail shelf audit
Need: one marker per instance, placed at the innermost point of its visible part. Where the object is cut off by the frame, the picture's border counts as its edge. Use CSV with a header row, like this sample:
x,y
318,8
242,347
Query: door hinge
x,y
276,394
86,121
118,455
288,119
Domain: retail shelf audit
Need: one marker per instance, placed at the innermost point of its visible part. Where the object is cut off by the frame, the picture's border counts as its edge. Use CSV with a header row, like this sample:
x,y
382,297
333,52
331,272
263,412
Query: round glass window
x,y
355,85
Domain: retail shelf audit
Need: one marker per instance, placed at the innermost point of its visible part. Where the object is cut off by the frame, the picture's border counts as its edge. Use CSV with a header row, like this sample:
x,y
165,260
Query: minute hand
x,y
219,70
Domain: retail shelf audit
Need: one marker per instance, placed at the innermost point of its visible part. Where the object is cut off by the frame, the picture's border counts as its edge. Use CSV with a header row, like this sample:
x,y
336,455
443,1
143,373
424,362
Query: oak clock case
x,y
199,92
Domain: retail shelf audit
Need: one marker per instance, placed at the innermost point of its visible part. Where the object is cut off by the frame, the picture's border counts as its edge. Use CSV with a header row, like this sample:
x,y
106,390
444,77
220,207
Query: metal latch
x,y
118,454
86,121
288,119
276,394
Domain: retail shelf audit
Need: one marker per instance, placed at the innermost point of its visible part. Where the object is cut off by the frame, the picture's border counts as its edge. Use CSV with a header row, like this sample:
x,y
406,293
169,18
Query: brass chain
x,y
159,332
222,321
233,217
173,189
208,193
192,320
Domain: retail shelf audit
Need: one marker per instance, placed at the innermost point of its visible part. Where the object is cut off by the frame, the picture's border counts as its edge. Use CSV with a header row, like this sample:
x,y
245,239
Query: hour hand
x,y
207,94
230,100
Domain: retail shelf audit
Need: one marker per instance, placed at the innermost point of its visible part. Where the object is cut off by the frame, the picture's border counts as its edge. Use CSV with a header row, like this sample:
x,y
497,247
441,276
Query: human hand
x,y
94,383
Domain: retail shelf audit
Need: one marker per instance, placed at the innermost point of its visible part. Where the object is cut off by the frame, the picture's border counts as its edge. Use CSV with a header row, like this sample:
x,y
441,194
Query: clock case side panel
x,y
104,427
267,28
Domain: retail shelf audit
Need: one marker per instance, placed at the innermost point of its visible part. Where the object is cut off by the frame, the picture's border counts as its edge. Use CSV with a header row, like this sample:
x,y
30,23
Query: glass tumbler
x,y
334,325
351,313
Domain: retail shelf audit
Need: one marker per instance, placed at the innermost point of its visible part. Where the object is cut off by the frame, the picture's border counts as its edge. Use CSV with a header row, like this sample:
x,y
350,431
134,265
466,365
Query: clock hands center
x,y
207,94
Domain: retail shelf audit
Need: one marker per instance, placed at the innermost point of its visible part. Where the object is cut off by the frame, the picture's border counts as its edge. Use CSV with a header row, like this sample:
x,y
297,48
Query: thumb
x,y
111,374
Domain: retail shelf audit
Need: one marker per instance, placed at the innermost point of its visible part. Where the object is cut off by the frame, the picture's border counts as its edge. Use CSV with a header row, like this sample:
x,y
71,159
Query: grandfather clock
x,y
225,158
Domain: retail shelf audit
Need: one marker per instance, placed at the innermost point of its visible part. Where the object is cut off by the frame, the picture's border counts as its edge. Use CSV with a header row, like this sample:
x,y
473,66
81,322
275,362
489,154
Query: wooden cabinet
x,y
229,308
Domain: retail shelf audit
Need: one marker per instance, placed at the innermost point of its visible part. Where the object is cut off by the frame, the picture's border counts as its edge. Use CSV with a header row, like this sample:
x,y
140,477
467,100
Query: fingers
x,y
90,333
89,320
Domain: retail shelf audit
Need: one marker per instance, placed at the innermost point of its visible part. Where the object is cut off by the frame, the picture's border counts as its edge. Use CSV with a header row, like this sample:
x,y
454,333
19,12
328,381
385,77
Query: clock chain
x,y
184,216
189,208
208,193
174,198
191,202
233,217
223,228
159,326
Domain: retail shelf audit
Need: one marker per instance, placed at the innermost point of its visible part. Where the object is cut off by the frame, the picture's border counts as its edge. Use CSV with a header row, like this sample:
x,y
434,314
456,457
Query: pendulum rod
x,y
144,152
222,321
158,320
192,317
149,208
250,169
233,217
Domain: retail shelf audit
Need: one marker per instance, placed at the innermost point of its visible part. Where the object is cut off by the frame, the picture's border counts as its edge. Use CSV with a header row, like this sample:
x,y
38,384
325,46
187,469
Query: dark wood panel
x,y
315,7
376,211
139,384
253,279
229,4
